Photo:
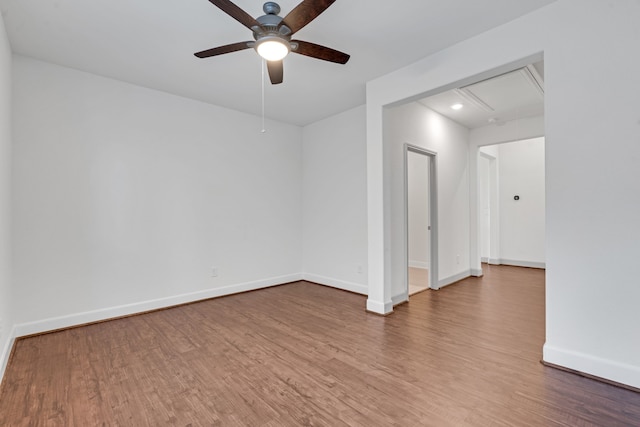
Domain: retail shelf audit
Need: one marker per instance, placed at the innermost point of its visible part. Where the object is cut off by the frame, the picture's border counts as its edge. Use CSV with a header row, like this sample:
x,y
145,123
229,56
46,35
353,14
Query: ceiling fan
x,y
272,34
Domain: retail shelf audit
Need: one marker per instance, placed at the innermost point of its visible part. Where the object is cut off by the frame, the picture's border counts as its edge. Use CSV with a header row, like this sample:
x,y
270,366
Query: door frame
x,y
494,209
433,214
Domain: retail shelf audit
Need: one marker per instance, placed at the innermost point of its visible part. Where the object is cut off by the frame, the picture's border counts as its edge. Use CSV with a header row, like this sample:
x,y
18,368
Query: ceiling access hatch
x,y
514,95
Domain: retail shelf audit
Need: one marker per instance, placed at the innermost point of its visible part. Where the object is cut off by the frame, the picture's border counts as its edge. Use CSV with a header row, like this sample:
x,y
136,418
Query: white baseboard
x,y
6,351
603,368
379,307
515,263
399,299
518,263
335,283
420,264
76,319
476,272
452,279
484,259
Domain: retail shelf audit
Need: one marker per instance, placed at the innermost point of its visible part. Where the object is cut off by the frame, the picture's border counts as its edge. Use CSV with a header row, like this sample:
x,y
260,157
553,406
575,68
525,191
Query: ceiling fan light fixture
x,y
272,48
272,34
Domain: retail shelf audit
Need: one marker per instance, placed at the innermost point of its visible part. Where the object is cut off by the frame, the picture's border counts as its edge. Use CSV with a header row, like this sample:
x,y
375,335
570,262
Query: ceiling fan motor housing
x,y
272,27
271,24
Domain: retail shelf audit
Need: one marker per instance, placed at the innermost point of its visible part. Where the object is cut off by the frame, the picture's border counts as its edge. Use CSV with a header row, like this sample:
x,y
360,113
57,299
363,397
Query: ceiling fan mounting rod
x,y
271,8
271,24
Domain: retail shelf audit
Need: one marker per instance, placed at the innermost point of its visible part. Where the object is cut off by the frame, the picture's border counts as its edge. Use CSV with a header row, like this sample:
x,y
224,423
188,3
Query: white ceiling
x,y
151,44
515,95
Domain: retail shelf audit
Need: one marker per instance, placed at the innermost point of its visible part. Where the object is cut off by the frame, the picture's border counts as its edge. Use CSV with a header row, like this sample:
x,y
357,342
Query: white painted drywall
x,y
522,229
592,174
514,130
6,298
417,125
125,198
418,210
334,201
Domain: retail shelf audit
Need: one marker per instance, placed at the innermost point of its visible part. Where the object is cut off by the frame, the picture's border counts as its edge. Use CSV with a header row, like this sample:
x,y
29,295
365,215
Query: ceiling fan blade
x,y
223,49
276,71
304,13
320,52
236,13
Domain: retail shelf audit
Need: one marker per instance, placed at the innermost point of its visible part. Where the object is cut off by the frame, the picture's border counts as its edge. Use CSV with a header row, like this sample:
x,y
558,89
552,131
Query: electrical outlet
x,y
214,271
457,259
359,269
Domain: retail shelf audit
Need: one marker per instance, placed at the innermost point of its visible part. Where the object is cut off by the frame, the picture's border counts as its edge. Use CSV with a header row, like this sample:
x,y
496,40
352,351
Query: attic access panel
x,y
514,95
513,90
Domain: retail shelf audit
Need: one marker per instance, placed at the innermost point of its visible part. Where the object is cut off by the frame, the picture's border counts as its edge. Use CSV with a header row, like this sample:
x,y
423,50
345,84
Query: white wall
x,y
522,225
334,201
125,198
417,125
513,130
418,210
592,157
6,298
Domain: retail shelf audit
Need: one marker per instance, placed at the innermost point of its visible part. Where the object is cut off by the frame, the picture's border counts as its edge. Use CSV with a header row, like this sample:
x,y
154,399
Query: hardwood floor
x,y
304,354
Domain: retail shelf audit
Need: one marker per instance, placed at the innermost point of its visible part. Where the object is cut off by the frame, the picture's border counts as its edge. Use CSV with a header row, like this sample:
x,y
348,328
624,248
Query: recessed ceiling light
x,y
457,106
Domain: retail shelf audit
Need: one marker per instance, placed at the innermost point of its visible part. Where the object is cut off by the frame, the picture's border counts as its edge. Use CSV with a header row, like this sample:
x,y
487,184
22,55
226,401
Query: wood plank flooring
x,y
304,354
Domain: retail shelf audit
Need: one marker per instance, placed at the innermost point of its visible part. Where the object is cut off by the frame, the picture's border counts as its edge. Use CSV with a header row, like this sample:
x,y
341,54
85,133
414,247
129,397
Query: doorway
x,y
421,219
511,203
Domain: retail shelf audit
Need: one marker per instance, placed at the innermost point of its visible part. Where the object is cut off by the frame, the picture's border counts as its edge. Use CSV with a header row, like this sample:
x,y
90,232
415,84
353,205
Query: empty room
x,y
204,214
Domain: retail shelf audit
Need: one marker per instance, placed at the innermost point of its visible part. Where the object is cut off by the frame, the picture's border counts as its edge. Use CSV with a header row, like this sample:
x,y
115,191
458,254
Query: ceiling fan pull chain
x,y
263,129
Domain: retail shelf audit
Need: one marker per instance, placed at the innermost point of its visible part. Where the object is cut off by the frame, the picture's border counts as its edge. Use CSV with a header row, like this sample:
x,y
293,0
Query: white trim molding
x,y
379,308
517,263
585,363
453,279
76,319
6,351
335,283
399,299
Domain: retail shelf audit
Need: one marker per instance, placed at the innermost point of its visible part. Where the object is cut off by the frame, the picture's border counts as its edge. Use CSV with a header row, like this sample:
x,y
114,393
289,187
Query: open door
x,y
421,220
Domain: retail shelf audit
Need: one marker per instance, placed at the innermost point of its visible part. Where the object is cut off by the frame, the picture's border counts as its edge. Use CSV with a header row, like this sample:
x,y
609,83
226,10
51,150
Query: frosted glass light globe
x,y
272,49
